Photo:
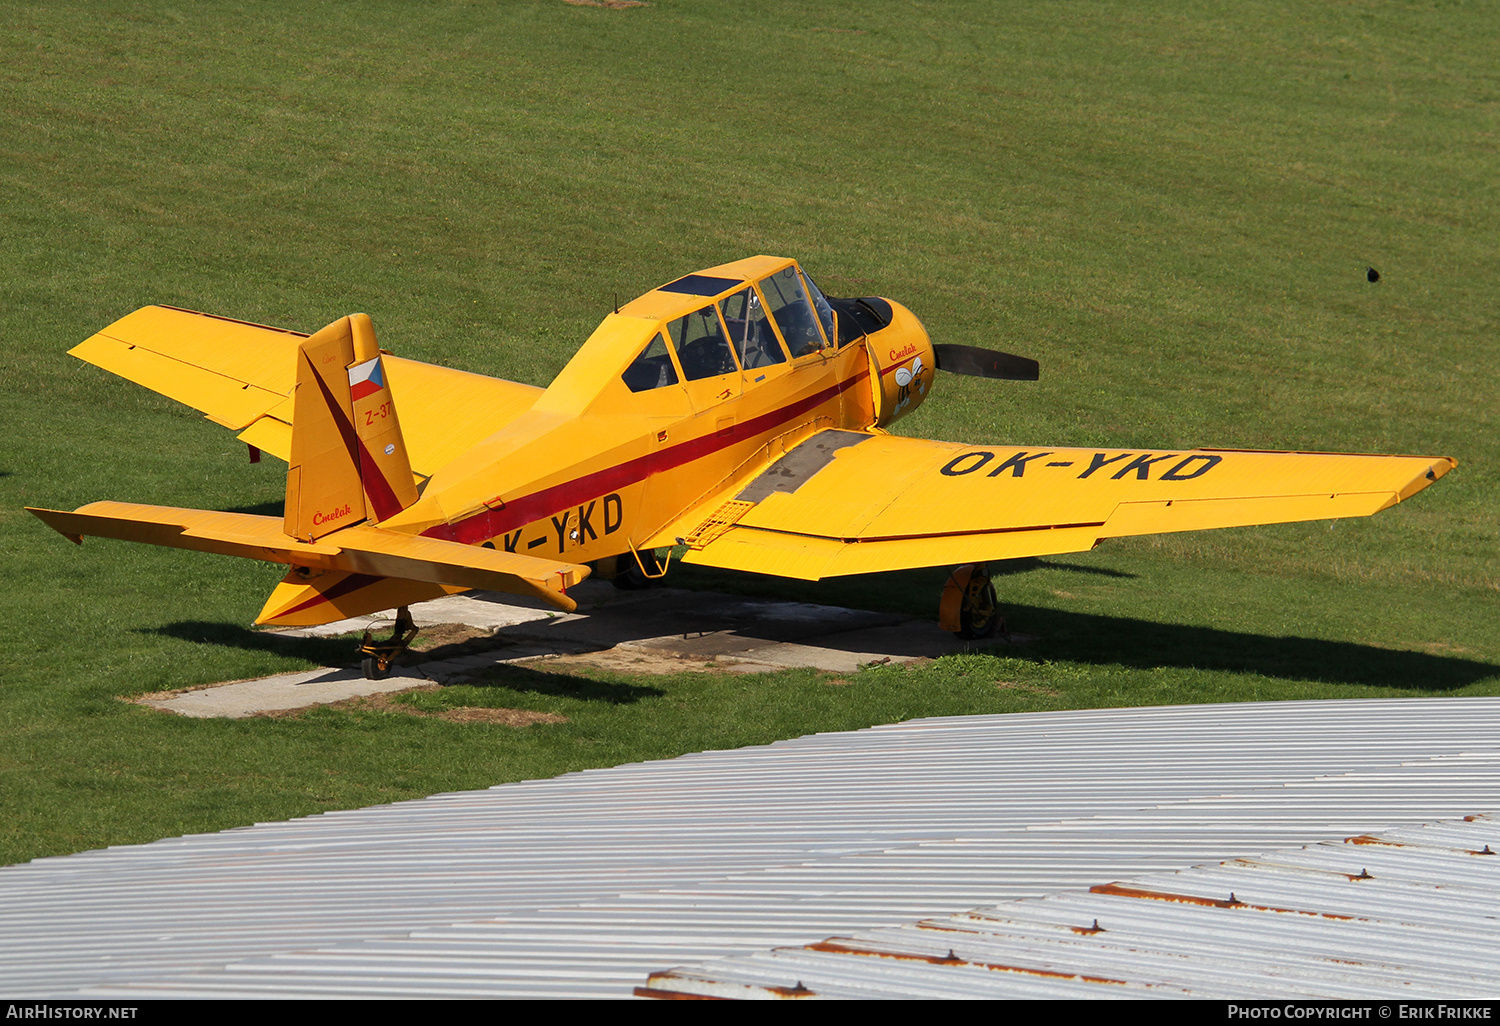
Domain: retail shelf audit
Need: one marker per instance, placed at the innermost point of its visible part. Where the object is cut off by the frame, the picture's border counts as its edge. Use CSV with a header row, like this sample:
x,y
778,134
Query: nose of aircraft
x,y
901,359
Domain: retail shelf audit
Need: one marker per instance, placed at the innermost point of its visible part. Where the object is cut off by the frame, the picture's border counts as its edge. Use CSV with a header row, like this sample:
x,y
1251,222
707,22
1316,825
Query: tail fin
x,y
348,459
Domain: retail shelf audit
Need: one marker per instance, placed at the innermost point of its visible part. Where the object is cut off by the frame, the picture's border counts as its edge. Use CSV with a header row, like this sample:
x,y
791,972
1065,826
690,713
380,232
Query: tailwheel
x,y
379,655
969,608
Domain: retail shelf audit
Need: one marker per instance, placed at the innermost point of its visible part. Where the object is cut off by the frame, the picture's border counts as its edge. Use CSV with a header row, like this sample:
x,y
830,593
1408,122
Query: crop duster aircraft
x,y
736,412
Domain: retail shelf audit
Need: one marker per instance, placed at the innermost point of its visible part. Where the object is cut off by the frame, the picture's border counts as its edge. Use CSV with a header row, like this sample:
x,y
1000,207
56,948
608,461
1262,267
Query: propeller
x,y
985,363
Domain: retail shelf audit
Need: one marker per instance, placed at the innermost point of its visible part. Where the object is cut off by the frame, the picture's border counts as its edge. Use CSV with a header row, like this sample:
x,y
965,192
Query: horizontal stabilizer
x,y
362,549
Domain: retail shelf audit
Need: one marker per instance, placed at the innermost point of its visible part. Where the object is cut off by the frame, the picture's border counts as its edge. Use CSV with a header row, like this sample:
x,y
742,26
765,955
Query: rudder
x,y
348,459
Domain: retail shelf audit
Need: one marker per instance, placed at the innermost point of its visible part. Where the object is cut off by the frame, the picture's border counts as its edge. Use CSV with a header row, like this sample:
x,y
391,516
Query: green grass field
x,y
1171,206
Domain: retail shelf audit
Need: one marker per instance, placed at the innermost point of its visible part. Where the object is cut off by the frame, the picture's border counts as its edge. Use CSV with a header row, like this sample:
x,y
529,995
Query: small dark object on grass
x,y
1372,275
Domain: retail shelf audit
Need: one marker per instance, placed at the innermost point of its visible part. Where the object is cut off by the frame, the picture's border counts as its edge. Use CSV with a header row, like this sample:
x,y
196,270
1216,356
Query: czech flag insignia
x,y
365,379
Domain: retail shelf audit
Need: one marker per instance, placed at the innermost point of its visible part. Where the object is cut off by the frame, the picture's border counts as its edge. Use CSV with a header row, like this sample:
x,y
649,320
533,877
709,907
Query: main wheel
x,y
631,577
978,610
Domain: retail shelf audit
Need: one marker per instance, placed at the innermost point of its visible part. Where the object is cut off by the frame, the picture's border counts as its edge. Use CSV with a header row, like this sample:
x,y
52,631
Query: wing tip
x,y
1437,467
42,515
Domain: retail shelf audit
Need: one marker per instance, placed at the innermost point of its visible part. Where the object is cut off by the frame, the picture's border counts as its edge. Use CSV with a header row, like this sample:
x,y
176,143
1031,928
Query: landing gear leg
x,y
968,607
379,655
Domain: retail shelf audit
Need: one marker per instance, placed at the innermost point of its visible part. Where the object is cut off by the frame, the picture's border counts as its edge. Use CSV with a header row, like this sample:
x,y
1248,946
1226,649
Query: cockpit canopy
x,y
745,323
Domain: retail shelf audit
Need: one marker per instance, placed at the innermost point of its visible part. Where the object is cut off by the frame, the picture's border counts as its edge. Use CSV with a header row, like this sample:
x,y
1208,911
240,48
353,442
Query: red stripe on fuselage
x,y
527,509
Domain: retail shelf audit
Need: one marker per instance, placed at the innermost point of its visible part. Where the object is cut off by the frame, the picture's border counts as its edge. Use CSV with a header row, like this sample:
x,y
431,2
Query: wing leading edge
x,y
854,502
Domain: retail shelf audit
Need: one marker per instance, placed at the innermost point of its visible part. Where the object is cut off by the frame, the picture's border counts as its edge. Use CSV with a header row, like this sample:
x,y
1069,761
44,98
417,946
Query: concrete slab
x,y
283,692
657,630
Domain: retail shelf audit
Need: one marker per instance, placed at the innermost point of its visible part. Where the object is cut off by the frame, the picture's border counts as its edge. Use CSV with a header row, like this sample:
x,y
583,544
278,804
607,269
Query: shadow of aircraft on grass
x,y
276,508
1060,635
339,652
1005,567
323,651
1144,644
1053,635
511,677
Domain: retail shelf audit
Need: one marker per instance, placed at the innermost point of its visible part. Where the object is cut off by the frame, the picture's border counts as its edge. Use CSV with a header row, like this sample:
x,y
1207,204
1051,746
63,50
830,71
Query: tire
x,y
980,615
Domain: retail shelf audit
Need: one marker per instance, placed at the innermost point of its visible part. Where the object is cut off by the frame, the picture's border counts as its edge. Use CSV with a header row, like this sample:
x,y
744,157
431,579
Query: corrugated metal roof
x,y
585,884
1411,913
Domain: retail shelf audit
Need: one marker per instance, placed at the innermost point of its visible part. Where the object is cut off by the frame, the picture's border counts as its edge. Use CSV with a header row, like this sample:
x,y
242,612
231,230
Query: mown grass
x,y
1170,205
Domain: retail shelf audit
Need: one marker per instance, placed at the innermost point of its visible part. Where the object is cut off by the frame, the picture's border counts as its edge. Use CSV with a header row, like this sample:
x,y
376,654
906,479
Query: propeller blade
x,y
985,363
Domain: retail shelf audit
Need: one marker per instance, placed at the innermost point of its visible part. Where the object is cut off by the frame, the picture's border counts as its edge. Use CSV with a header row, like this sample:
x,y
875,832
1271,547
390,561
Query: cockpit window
x,y
652,369
702,348
792,311
820,304
749,332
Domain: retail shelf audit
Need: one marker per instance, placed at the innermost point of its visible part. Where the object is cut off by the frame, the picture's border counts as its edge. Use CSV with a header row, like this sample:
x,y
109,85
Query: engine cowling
x,y
902,364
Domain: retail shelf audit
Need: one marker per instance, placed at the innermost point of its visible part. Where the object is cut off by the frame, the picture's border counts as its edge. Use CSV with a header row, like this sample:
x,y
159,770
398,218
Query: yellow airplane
x,y
736,412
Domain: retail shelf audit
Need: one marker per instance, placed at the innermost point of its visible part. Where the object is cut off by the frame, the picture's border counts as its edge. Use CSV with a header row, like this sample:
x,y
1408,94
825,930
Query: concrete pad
x,y
283,692
656,630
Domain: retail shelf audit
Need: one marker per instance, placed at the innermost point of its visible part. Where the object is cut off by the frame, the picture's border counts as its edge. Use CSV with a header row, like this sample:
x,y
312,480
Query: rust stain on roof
x,y
1120,890
674,995
833,947
1372,839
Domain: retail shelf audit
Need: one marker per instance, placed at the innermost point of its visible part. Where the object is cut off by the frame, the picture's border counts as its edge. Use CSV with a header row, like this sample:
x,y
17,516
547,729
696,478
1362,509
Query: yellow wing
x,y
848,502
241,376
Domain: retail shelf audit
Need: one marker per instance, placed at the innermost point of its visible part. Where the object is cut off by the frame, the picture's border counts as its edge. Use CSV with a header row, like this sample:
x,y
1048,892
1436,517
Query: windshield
x,y
820,304
792,312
